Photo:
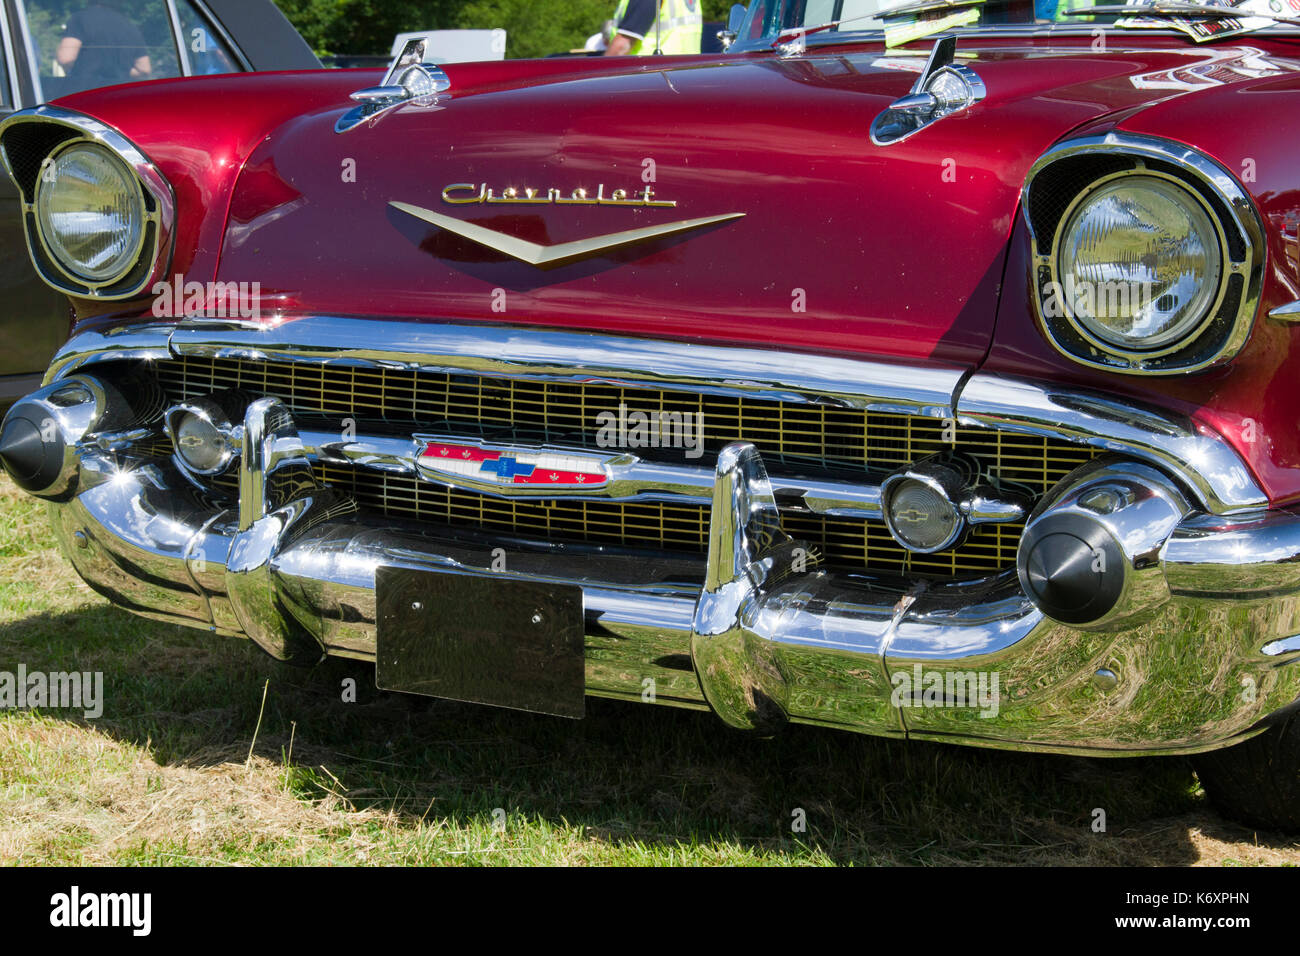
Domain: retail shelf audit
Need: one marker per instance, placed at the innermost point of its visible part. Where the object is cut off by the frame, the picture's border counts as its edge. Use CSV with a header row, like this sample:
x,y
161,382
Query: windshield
x,y
778,21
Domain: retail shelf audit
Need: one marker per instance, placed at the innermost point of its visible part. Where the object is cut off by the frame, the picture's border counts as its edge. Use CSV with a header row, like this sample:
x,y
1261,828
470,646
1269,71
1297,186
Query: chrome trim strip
x,y
1243,216
1207,465
147,343
30,52
150,179
1117,41
216,26
629,478
10,64
1289,313
178,38
552,354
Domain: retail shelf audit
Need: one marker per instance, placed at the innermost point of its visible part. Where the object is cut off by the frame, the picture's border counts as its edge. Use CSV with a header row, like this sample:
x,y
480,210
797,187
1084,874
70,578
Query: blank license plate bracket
x,y
481,639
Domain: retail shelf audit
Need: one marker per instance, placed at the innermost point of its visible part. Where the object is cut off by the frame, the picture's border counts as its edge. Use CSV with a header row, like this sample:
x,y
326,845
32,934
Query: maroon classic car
x,y
929,373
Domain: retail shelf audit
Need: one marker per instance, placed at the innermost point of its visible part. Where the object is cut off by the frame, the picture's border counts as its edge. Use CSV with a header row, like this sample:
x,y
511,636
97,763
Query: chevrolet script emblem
x,y
462,193
564,253
510,470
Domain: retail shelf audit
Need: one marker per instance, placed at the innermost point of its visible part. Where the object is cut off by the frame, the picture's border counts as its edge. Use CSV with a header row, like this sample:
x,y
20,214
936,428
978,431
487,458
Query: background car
x,y
178,38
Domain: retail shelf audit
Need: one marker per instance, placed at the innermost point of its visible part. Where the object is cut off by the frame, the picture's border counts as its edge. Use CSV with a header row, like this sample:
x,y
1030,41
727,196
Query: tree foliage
x,y
534,27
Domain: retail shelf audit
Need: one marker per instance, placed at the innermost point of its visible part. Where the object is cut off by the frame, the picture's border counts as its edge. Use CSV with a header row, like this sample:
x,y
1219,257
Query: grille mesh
x,y
1060,184
784,432
26,146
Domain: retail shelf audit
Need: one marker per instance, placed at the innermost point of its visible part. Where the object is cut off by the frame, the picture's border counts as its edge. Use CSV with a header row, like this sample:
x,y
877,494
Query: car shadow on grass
x,y
629,773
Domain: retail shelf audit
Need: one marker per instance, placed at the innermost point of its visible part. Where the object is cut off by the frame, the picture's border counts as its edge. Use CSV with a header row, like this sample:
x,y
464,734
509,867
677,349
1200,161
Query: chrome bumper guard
x,y
1200,646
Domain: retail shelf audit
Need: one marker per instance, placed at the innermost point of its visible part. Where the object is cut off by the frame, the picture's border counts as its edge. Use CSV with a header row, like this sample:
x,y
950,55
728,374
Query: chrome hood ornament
x,y
943,88
411,78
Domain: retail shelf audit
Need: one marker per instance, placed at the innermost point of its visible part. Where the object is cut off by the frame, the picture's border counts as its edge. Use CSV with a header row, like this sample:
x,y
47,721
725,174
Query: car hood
x,y
834,243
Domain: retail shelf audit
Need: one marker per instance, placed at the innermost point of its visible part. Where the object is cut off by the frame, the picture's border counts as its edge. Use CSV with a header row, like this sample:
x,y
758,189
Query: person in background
x,y
599,42
656,26
101,47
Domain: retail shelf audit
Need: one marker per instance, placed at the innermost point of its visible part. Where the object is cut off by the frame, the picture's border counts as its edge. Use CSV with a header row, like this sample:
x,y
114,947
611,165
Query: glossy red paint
x,y
906,252
890,252
200,133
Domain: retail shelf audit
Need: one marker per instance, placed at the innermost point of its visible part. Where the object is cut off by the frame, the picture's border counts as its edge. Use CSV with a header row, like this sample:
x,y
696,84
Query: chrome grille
x,y
841,543
789,433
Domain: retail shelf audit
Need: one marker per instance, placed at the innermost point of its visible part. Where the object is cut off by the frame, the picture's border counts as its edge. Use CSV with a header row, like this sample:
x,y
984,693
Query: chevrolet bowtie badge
x,y
507,469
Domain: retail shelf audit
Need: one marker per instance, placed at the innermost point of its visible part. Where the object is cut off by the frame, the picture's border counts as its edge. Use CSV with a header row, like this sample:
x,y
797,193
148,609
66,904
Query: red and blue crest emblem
x,y
536,468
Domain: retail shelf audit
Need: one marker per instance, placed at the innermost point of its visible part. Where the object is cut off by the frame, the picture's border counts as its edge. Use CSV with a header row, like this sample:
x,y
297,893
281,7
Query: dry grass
x,y
163,775
70,791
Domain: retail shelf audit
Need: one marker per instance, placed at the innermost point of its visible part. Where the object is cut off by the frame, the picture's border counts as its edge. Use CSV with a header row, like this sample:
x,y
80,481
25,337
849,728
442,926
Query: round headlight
x,y
91,213
1139,261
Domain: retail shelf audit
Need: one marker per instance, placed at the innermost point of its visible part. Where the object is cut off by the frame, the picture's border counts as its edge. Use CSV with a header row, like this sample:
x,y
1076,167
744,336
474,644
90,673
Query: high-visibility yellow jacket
x,y
679,29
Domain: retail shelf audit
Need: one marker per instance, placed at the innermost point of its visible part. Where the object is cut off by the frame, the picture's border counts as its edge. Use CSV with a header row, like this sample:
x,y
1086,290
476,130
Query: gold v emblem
x,y
549,257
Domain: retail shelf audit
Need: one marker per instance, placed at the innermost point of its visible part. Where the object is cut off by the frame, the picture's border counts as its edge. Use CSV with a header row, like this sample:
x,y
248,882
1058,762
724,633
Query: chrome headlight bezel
x,y
45,132
1081,168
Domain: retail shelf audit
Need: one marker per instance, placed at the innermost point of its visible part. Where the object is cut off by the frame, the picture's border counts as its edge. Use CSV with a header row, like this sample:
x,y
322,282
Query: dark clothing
x,y
640,17
110,45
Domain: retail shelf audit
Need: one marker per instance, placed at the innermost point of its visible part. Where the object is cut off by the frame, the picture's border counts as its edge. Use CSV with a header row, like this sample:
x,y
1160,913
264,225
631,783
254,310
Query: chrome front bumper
x,y
752,633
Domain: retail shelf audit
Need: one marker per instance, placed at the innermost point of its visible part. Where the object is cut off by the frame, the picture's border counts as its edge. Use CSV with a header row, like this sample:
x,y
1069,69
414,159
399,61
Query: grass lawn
x,y
165,775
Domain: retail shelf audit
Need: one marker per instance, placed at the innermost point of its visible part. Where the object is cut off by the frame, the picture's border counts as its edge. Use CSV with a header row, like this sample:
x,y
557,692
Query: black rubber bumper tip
x,y
1060,570
22,452
34,459
1073,569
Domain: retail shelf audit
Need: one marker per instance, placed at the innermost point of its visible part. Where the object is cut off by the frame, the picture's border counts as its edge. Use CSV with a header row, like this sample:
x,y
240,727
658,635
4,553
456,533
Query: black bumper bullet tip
x,y
31,448
21,450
